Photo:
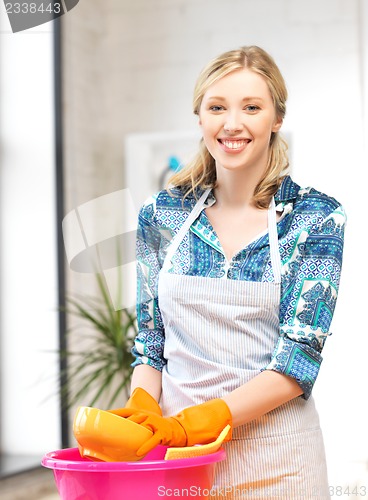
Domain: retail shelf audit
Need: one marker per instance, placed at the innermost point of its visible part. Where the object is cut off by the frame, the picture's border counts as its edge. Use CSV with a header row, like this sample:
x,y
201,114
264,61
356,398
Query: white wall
x,y
28,307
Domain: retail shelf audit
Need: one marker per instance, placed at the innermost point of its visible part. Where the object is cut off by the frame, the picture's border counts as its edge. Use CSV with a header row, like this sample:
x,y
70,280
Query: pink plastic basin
x,y
78,478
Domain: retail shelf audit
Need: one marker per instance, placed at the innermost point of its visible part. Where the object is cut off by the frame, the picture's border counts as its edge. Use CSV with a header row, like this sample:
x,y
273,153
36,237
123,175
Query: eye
x,y
216,108
252,108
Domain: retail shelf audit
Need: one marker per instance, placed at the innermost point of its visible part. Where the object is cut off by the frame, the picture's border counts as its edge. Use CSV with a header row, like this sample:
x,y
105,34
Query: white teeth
x,y
234,144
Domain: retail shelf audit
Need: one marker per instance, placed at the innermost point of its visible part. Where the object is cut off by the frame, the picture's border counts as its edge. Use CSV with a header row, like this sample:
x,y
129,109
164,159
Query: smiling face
x,y
237,117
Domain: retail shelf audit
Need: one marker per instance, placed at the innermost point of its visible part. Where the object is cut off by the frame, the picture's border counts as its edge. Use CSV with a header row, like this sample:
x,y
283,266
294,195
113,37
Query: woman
x,y
238,273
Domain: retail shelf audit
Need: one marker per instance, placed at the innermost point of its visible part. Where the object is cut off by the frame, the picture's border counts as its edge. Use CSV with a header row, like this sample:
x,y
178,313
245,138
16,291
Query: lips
x,y
233,145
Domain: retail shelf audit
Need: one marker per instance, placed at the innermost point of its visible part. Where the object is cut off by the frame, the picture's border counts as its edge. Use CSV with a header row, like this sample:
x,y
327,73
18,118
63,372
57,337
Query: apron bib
x,y
219,333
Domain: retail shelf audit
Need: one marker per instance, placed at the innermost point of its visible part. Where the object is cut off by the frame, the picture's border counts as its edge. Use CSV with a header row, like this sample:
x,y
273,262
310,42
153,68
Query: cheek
x,y
208,128
209,140
211,123
263,127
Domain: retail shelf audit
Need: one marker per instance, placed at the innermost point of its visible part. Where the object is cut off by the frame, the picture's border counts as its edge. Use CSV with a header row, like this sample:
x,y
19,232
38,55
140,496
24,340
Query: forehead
x,y
241,83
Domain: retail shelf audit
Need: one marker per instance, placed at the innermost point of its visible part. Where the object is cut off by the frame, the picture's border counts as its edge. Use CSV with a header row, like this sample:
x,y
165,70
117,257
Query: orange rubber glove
x,y
140,400
198,424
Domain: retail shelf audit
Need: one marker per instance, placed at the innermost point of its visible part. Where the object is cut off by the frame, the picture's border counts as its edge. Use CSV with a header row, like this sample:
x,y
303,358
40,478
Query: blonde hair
x,y
201,171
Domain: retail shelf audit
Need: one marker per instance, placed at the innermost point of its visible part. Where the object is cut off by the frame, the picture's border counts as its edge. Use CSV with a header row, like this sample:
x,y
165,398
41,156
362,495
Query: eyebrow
x,y
245,99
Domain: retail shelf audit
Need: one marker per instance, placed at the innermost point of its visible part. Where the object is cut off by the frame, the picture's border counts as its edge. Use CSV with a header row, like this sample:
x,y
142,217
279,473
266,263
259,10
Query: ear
x,y
277,125
198,115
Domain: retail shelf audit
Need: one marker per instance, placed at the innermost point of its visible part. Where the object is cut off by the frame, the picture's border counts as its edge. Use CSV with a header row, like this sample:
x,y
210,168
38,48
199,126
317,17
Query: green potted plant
x,y
98,365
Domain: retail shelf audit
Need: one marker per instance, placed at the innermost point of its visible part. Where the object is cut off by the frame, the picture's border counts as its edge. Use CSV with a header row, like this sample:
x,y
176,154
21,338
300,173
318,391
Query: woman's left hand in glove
x,y
140,400
198,424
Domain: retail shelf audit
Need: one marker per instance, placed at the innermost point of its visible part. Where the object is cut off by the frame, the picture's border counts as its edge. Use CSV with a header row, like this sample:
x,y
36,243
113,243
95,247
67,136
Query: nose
x,y
232,122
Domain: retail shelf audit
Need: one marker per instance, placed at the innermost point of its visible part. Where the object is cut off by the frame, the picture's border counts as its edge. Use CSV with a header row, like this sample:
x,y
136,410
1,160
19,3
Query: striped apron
x,y
219,333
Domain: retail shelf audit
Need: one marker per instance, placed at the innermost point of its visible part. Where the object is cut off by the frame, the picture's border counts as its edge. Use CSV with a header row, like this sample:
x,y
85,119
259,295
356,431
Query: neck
x,y
236,189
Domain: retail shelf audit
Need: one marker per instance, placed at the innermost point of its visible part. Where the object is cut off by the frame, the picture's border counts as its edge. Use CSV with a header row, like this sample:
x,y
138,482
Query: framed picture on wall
x,y
151,158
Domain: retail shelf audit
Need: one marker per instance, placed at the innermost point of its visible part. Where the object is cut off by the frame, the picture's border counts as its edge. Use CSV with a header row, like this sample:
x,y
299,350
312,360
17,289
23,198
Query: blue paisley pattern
x,y
311,235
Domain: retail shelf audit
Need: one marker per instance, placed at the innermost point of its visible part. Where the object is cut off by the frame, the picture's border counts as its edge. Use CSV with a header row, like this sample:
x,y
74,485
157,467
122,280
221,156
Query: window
x,y
29,405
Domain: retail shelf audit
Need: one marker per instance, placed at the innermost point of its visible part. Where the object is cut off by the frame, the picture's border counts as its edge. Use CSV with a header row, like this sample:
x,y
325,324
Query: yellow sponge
x,y
199,449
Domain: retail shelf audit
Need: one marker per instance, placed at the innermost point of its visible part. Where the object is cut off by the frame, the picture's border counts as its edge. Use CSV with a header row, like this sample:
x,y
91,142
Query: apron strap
x,y
174,245
274,242
272,234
